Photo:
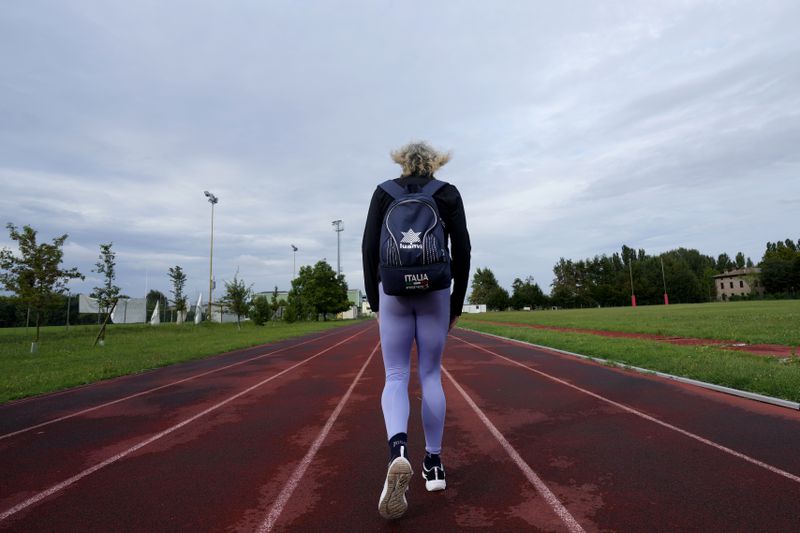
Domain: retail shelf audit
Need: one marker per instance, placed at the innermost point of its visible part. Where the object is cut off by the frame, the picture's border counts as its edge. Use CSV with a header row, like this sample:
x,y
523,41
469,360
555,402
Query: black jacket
x,y
451,209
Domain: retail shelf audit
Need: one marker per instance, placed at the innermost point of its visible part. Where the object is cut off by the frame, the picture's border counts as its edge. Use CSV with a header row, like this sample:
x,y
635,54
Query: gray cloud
x,y
576,127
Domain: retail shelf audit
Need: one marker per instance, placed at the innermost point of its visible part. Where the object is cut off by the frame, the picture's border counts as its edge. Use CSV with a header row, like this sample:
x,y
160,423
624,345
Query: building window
x,y
741,284
731,284
722,286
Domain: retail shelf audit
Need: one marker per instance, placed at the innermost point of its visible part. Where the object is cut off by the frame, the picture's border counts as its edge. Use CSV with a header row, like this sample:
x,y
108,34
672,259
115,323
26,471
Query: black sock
x,y
395,443
432,459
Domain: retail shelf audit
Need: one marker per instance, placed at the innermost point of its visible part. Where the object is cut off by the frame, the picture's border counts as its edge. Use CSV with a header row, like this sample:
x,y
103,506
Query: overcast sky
x,y
575,127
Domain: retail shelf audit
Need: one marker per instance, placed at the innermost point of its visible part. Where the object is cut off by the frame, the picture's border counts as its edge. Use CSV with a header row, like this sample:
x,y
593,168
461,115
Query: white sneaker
x,y
393,498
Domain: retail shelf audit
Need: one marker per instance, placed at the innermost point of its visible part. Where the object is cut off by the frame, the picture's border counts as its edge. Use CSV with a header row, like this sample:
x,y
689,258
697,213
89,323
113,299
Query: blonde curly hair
x,y
419,158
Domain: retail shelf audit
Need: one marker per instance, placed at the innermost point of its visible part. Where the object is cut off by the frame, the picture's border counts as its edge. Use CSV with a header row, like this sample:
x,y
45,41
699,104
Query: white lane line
x,y
640,414
66,483
297,475
780,402
551,499
148,391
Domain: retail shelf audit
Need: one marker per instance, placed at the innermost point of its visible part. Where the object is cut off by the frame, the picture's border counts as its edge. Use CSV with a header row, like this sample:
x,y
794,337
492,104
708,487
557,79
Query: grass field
x,y
775,322
66,358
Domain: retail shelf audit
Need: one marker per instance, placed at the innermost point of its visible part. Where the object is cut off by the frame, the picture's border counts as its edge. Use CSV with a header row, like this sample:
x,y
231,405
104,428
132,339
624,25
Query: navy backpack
x,y
413,251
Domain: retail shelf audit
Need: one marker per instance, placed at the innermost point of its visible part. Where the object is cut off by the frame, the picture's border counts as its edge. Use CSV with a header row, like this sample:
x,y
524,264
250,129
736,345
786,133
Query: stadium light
x,y
213,201
338,227
294,261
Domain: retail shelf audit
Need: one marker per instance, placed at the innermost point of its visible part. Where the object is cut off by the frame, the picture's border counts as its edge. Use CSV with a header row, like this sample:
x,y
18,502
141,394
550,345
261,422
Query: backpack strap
x,y
433,186
395,191
392,188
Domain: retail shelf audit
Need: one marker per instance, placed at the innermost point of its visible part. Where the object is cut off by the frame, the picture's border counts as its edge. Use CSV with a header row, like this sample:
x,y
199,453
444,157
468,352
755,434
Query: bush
x,y
260,311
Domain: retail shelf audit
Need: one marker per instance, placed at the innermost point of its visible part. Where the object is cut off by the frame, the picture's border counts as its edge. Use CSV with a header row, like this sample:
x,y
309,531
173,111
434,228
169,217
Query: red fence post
x,y
666,299
633,300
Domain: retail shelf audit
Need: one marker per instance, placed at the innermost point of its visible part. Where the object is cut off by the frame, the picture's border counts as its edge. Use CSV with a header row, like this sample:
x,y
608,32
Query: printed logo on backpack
x,y
413,254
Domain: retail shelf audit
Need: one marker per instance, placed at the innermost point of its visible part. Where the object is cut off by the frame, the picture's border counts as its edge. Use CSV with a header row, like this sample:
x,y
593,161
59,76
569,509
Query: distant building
x,y
474,308
356,304
283,296
740,282
366,310
220,315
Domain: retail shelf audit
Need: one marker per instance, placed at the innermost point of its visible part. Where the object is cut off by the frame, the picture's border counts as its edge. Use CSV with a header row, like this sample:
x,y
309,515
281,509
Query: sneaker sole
x,y
393,502
436,484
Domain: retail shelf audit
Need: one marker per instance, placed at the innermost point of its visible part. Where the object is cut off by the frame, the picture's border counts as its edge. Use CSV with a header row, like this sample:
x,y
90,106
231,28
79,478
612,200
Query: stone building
x,y
740,282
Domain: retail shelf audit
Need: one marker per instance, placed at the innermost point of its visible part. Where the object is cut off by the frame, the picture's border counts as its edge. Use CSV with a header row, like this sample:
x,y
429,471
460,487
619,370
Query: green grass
x,y
67,359
739,370
773,322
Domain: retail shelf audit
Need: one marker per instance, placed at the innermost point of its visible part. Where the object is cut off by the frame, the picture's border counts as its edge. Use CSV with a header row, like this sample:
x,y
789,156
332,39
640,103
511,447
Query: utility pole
x,y
338,227
213,201
633,296
664,279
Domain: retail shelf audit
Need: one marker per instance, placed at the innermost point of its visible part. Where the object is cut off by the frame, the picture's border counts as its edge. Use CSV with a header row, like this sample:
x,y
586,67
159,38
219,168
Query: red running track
x,y
290,437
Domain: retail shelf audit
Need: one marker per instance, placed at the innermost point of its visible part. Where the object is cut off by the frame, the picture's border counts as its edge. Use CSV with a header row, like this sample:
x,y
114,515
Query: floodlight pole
x,y
664,279
338,227
294,261
212,200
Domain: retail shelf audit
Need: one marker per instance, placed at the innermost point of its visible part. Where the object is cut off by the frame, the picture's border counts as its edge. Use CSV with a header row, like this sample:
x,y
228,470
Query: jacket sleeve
x,y
460,251
370,247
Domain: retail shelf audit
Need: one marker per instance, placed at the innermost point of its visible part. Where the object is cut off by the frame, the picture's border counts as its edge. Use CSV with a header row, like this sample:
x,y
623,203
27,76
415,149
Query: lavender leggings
x,y
404,319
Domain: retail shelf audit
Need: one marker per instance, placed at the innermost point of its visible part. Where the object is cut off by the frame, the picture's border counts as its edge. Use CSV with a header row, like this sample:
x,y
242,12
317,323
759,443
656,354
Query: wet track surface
x,y
216,452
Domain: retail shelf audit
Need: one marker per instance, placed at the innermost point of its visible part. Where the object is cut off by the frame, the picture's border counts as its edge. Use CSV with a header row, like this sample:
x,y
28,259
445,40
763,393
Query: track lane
x,y
623,472
297,475
611,469
29,469
764,432
31,413
485,491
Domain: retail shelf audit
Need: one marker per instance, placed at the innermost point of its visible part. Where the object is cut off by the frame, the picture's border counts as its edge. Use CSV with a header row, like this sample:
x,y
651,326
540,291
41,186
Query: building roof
x,y
739,272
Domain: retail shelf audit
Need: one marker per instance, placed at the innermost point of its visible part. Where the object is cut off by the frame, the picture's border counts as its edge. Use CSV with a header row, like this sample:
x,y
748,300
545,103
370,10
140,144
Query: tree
x,y
486,290
565,286
316,291
237,298
526,294
274,304
724,263
260,310
106,266
740,260
178,278
8,312
35,275
780,268
498,300
683,284
152,297
483,283
606,281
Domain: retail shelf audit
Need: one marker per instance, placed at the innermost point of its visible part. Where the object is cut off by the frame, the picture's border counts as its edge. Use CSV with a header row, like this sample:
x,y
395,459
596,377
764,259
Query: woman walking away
x,y
408,270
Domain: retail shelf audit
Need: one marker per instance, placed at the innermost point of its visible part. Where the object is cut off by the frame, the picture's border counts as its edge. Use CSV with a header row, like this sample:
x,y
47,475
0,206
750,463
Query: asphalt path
x,y
290,437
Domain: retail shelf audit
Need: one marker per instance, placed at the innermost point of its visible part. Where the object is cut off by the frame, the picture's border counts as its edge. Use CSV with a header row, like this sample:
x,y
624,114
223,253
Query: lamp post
x,y
294,261
212,200
338,227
